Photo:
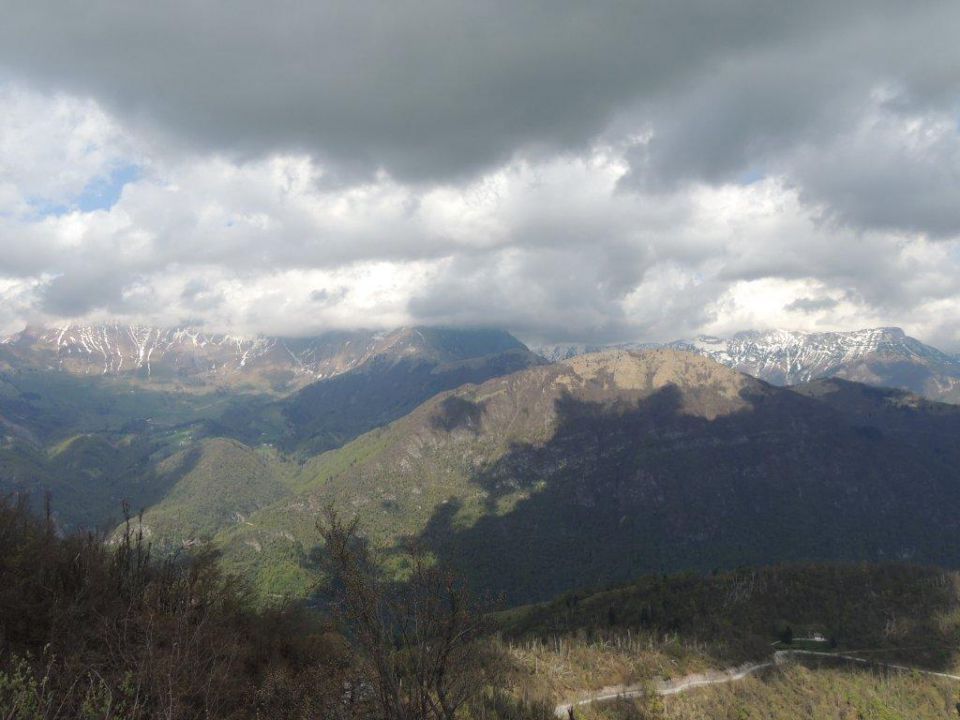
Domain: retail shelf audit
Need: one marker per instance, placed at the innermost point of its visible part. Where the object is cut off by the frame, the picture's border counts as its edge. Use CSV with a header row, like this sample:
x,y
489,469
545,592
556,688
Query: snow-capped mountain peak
x,y
788,357
884,356
190,355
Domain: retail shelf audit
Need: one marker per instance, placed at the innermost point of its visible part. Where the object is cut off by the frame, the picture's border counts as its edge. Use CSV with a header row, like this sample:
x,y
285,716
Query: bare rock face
x,y
653,370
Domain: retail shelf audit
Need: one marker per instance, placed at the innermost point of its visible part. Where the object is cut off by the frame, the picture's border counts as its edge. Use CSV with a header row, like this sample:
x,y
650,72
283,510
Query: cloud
x,y
596,172
81,290
198,295
442,89
860,116
329,297
53,149
896,170
811,305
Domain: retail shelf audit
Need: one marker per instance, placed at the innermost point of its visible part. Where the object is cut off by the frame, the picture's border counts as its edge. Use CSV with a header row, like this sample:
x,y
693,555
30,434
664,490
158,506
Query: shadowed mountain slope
x,y
88,477
327,414
331,412
606,466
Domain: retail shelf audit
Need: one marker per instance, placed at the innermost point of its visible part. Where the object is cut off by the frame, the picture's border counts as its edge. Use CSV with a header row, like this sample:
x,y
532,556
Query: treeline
x,y
108,630
912,611
91,628
96,630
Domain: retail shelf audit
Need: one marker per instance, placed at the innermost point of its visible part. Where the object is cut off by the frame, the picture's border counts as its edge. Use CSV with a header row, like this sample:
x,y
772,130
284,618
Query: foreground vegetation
x,y
899,612
796,693
94,629
90,629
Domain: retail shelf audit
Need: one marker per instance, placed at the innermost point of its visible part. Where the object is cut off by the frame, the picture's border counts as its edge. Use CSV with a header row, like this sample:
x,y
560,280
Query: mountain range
x,y
189,357
95,435
534,477
883,357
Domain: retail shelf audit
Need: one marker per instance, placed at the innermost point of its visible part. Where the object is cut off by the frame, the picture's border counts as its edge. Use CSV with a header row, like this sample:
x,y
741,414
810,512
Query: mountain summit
x,y
883,357
194,357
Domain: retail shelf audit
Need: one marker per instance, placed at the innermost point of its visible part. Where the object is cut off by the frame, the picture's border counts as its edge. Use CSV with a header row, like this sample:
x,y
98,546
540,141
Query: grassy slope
x,y
213,484
358,479
799,693
670,626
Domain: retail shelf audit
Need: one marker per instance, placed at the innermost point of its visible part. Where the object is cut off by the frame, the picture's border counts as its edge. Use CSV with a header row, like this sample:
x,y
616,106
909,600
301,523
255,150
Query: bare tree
x,y
415,639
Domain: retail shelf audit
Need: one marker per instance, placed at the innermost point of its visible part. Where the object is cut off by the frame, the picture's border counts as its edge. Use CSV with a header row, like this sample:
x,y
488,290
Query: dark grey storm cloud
x,y
82,289
900,173
439,88
860,115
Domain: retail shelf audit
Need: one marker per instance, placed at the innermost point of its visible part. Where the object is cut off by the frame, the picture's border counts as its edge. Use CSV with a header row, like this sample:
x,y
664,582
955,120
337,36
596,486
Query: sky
x,y
573,172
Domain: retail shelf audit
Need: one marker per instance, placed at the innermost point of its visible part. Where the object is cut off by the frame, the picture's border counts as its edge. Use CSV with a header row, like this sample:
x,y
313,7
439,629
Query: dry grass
x,y
565,668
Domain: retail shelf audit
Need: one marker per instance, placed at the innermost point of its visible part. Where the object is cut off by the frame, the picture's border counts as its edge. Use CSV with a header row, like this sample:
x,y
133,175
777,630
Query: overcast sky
x,y
586,171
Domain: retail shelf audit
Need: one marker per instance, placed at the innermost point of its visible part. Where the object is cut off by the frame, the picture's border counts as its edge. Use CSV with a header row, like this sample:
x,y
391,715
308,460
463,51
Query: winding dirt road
x,y
717,677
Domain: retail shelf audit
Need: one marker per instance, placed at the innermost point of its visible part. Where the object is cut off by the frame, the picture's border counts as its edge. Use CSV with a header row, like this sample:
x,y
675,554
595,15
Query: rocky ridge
x,y
883,357
193,355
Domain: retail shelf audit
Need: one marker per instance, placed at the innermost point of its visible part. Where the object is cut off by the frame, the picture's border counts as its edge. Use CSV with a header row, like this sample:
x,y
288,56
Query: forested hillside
x,y
607,466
